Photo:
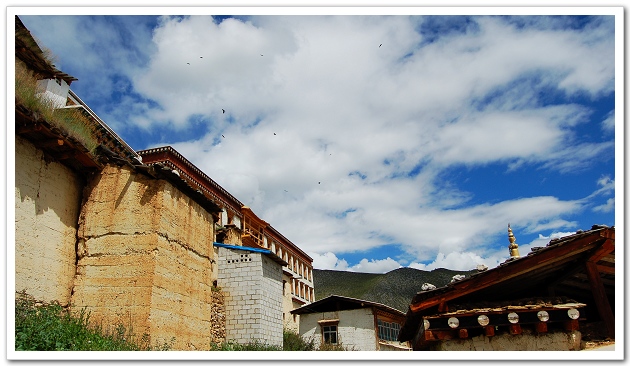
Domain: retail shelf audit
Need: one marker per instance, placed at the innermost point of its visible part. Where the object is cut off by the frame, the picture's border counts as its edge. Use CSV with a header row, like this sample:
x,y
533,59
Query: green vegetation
x,y
291,341
50,327
251,346
71,122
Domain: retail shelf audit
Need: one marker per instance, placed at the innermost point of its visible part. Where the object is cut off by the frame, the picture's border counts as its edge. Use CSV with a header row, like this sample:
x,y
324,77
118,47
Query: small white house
x,y
357,325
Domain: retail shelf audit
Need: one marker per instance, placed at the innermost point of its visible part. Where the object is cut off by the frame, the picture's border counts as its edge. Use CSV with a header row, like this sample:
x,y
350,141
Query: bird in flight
x,y
223,110
222,136
187,63
379,46
274,134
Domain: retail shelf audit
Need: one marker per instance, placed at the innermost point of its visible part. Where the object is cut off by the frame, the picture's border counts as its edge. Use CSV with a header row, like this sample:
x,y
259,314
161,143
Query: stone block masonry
x,y
252,284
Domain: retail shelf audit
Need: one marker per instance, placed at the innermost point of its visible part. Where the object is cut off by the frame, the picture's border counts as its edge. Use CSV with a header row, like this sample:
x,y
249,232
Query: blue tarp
x,y
238,247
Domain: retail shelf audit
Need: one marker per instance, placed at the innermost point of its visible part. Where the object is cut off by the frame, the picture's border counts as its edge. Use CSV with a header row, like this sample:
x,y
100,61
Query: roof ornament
x,y
513,246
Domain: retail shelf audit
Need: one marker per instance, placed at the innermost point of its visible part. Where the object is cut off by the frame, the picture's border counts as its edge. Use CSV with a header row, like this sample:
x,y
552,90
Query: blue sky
x,y
372,142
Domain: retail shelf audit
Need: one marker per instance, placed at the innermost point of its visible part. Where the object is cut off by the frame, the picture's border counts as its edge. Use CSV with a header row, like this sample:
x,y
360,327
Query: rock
x,y
457,278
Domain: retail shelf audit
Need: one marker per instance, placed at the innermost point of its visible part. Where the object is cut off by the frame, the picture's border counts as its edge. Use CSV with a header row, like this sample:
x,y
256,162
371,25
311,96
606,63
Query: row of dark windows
x,y
388,331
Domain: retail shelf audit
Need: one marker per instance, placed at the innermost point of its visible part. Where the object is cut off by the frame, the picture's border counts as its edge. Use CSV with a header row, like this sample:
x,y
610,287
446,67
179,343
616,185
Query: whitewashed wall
x,y
355,329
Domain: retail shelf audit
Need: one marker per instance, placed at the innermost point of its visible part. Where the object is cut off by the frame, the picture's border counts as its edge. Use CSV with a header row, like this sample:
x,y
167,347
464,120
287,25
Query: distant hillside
x,y
395,288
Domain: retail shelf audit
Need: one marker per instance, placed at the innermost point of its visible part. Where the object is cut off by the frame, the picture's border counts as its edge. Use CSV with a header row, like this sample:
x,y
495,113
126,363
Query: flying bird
x,y
187,63
200,56
223,110
274,134
379,46
222,136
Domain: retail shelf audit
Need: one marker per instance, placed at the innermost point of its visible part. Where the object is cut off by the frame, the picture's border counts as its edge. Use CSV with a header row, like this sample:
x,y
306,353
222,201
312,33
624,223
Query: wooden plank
x,y
601,299
604,250
610,234
23,129
489,330
515,329
443,307
429,336
584,277
572,324
605,269
558,282
443,335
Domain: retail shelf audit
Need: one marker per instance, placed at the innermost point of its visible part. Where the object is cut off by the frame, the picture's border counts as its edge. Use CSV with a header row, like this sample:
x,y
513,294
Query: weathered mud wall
x,y
528,341
47,201
146,260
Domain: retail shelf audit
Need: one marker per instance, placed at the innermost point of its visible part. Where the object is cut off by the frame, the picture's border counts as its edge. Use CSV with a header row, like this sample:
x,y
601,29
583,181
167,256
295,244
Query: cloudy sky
x,y
370,141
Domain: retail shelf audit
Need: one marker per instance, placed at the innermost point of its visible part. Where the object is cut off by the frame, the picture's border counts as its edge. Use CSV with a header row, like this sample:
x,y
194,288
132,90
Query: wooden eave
x,y
253,218
340,303
169,156
54,142
163,171
559,268
290,246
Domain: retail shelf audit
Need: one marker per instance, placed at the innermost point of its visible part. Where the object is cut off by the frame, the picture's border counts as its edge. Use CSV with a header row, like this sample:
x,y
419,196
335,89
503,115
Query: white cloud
x,y
458,261
375,265
609,206
607,185
342,144
465,261
608,124
328,260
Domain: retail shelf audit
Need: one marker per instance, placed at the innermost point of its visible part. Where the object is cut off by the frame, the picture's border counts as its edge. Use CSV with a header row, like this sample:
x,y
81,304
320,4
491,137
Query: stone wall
x,y
146,259
47,201
252,285
528,341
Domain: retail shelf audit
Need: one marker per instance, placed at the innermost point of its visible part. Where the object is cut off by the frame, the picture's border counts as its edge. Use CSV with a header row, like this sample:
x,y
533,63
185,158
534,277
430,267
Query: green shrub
x,y
292,341
254,345
50,327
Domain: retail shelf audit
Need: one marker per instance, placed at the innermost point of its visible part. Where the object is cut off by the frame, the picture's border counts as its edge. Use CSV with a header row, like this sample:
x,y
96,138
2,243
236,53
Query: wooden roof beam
x,y
601,300
603,251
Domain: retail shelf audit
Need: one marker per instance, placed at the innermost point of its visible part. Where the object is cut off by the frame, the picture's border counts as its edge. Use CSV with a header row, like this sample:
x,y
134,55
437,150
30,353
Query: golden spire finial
x,y
513,246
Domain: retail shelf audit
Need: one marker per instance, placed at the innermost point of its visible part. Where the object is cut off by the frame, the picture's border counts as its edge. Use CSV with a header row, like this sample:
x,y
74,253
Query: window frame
x,y
332,332
328,327
388,330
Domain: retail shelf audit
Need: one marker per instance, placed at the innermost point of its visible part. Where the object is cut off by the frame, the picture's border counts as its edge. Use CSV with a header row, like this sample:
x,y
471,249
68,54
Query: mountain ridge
x,y
395,288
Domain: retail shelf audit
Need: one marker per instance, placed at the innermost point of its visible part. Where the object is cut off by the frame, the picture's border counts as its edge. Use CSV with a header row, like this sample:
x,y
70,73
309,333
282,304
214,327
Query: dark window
x,y
330,334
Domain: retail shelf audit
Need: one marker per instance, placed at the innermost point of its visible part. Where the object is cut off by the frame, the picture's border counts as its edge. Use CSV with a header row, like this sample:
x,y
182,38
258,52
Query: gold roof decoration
x,y
513,246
